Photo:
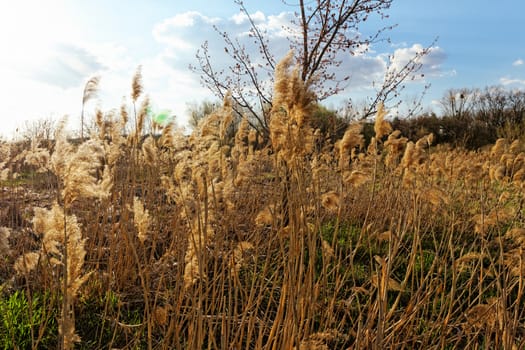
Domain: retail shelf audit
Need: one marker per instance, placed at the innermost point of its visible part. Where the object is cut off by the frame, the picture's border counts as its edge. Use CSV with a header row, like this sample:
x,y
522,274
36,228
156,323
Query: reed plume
x,y
83,175
394,146
136,84
352,139
124,115
485,316
265,217
238,256
90,89
167,139
90,92
37,157
5,153
141,219
290,133
381,126
355,178
331,201
80,173
515,147
499,147
150,151
26,263
62,244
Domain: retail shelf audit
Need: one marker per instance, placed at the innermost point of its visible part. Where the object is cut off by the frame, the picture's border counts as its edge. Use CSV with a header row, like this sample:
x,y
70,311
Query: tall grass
x,y
167,241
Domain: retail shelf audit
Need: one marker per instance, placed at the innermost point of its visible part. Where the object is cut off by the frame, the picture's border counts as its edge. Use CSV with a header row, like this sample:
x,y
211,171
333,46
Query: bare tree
x,y
323,32
459,103
516,102
40,130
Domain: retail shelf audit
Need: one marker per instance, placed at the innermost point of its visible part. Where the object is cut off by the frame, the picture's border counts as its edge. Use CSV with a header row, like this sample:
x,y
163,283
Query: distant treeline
x,y
471,118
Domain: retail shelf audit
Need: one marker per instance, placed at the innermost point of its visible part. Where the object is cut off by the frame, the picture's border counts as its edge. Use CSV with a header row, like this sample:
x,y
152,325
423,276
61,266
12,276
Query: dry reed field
x,y
212,241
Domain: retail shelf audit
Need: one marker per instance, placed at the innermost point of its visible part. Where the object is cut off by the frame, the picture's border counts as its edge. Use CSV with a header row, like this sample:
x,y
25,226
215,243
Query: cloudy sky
x,y
51,48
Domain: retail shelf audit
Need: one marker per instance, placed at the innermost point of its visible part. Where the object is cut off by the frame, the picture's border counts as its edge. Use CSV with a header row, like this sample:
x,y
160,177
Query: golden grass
x,y
213,241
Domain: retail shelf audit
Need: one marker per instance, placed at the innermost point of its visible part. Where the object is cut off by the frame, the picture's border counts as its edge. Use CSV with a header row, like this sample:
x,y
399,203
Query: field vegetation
x,y
220,240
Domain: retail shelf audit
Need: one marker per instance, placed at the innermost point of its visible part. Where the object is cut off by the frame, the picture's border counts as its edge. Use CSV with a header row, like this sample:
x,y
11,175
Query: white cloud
x,y
276,25
241,18
176,30
66,66
509,81
518,62
363,70
431,62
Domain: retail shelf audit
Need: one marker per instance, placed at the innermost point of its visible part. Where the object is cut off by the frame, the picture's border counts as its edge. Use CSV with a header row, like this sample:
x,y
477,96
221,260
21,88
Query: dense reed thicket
x,y
167,241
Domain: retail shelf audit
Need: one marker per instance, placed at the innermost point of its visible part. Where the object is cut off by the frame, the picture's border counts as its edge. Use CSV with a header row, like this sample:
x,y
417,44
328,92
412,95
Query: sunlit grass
x,y
211,241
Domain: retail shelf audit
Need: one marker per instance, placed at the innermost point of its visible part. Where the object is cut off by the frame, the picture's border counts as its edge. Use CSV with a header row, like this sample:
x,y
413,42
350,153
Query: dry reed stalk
x,y
4,241
5,153
485,316
328,251
240,149
141,119
79,170
4,174
390,283
383,236
237,258
514,261
194,258
226,116
517,234
62,238
312,344
496,217
462,264
114,149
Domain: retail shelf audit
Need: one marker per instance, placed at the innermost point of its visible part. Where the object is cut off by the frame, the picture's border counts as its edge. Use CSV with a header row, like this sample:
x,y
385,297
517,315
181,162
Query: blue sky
x,y
51,48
